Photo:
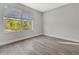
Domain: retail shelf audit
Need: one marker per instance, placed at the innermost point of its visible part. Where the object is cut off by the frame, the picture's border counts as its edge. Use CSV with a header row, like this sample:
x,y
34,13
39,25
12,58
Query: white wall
x,y
63,22
8,37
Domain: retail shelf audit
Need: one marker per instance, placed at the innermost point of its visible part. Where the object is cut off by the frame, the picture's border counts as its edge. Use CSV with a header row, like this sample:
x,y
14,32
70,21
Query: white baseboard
x,y
65,38
18,39
30,36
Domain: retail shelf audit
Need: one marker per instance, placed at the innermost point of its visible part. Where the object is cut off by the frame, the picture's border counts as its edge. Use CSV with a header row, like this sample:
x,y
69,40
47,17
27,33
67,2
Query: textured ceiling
x,y
44,6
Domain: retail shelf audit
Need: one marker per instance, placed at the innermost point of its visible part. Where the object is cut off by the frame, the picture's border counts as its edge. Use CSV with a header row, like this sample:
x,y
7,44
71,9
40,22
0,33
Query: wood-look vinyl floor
x,y
40,45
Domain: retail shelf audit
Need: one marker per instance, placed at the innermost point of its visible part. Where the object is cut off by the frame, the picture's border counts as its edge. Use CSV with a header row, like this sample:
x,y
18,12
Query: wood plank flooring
x,y
40,45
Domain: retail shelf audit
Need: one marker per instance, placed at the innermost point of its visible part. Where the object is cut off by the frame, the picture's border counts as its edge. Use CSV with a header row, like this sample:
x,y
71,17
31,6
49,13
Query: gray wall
x,y
7,37
63,22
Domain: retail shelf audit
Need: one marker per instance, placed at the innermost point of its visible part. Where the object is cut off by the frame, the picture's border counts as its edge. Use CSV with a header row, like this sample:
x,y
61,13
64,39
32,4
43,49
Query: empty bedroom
x,y
39,28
